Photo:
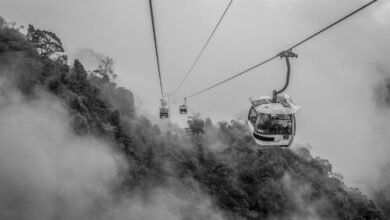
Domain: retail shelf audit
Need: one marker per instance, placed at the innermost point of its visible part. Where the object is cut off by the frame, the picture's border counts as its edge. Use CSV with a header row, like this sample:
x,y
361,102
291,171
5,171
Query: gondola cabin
x,y
272,122
183,109
164,110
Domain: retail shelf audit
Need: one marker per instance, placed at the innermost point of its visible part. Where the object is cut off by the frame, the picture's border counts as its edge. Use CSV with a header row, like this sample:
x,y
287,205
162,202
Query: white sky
x,y
333,79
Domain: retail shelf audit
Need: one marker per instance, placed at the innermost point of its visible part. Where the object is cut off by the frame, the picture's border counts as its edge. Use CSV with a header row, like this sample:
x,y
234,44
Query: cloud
x,y
165,203
305,207
48,172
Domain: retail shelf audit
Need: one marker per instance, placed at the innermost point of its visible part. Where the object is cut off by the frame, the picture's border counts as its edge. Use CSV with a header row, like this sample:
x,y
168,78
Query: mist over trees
x,y
218,160
382,190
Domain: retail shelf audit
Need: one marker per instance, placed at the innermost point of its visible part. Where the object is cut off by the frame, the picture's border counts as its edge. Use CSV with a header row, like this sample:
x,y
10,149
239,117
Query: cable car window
x,y
274,124
252,117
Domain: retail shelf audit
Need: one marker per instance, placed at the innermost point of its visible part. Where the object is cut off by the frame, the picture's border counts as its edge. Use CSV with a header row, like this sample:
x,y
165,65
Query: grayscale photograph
x,y
195,110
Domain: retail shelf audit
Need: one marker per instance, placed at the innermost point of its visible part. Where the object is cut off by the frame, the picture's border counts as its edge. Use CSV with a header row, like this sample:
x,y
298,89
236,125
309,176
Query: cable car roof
x,y
276,108
282,106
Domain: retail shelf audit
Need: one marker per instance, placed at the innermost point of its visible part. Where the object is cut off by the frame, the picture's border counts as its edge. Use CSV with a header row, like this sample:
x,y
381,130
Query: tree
x,y
46,43
196,126
3,23
105,69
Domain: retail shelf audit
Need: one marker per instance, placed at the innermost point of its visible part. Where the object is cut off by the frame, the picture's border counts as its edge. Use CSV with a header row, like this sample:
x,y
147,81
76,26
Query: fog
x,y
334,80
48,172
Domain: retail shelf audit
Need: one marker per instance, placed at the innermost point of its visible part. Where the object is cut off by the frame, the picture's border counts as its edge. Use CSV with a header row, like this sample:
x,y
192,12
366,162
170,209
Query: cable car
x,y
164,110
272,122
183,108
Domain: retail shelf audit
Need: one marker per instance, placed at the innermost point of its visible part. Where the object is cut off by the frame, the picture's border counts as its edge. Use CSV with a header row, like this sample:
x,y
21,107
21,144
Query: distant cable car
x,y
271,120
164,110
183,108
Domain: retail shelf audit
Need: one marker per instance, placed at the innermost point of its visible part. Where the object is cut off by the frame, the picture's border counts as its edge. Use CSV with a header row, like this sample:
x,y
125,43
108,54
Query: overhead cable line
x,y
277,55
155,46
203,49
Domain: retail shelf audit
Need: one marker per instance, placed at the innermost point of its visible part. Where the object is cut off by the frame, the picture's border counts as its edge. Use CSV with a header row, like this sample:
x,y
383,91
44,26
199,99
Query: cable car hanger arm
x,y
286,54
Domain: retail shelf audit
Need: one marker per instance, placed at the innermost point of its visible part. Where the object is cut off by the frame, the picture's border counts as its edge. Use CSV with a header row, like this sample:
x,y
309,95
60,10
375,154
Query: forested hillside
x,y
219,161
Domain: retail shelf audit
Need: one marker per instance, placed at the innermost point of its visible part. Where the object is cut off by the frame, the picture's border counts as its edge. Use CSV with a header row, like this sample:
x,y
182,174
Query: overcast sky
x,y
333,80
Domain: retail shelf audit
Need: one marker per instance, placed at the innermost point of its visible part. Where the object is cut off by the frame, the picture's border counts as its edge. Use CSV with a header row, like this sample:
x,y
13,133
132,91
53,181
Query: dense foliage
x,y
243,181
